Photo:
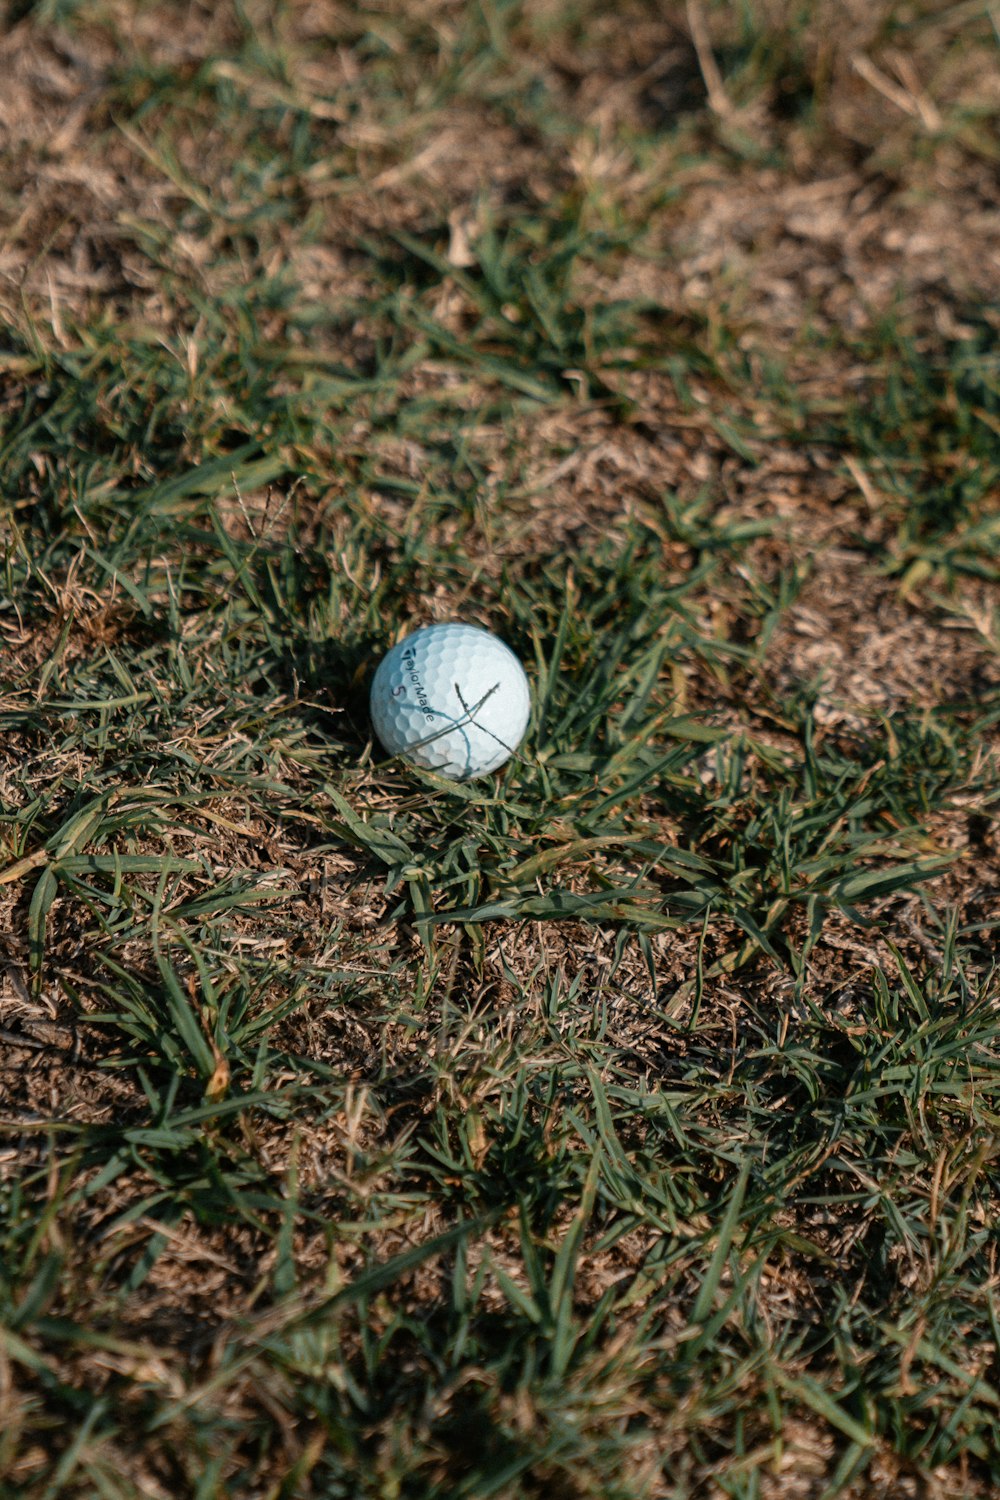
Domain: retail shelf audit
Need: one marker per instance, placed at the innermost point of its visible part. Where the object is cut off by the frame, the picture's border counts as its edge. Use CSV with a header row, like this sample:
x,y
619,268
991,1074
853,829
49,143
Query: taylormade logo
x,y
409,659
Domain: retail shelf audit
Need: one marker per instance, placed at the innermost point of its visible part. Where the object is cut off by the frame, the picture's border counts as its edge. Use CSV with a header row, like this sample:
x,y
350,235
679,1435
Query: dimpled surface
x,y
451,698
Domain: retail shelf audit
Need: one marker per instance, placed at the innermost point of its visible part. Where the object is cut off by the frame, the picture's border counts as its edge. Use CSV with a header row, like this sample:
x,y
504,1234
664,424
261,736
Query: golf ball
x,y
451,698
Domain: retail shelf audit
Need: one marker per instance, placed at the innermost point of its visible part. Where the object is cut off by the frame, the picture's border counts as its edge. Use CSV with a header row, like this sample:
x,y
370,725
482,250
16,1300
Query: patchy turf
x,y
624,1125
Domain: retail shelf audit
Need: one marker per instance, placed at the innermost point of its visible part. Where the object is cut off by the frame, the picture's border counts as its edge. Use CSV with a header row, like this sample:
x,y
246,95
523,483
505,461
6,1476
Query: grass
x,y
624,1124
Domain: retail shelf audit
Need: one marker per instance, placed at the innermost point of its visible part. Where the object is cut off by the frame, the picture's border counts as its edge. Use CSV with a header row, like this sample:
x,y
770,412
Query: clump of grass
x,y
926,438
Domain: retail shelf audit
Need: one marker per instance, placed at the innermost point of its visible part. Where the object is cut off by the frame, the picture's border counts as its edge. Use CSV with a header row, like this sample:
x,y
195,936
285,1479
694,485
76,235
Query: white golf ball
x,y
451,698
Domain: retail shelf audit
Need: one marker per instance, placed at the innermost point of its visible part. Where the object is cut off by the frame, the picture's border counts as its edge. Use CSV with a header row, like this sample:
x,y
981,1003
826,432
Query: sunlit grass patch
x,y
622,1124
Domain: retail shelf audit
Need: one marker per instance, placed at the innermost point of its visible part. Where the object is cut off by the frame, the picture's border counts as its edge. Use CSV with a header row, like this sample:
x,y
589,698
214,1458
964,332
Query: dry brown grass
x,y
762,243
